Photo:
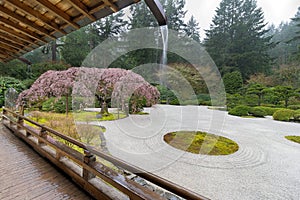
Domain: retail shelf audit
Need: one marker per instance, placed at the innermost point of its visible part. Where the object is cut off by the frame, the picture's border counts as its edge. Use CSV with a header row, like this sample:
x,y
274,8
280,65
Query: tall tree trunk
x,y
67,104
53,50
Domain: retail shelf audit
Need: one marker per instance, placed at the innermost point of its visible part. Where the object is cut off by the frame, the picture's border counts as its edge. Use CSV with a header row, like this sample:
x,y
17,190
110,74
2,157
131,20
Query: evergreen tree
x,y
141,16
286,39
236,39
296,20
192,29
105,28
175,14
75,47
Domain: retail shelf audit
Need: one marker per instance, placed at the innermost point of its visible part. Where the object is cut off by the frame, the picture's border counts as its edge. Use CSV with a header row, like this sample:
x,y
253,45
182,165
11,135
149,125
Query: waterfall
x,y
164,59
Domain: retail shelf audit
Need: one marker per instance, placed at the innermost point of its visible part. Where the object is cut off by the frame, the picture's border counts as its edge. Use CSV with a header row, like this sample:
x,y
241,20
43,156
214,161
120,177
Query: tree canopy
x,y
236,38
104,84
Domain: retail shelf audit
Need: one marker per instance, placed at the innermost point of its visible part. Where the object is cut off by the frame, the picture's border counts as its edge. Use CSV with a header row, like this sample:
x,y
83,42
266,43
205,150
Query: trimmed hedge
x,y
239,110
294,107
284,115
257,112
297,116
268,110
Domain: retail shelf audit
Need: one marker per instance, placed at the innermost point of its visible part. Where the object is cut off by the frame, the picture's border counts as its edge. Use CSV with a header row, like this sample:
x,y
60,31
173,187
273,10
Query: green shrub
x,y
174,102
268,110
294,107
297,115
239,110
190,102
284,115
56,105
205,103
257,112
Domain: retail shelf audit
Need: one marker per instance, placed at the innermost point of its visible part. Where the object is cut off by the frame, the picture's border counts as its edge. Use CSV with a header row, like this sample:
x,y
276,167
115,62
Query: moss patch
x,y
201,143
92,116
293,138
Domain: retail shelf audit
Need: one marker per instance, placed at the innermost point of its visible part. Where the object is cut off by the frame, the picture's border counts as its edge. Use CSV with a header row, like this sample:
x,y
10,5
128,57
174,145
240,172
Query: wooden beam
x,y
59,13
3,55
22,29
8,43
97,7
16,34
34,13
13,40
111,5
8,48
25,21
82,8
6,52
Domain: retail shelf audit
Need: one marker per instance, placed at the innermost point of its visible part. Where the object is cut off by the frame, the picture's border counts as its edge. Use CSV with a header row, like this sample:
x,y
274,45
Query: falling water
x,y
164,59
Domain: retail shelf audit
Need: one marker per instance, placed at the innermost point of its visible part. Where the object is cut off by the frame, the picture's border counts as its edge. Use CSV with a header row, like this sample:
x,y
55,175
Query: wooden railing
x,y
85,169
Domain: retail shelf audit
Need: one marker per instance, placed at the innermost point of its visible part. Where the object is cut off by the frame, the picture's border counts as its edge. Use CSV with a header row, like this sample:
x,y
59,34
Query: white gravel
x,y
266,166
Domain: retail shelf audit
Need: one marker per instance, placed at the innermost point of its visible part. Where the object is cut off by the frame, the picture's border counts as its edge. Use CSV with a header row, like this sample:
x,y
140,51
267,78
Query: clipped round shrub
x,y
257,112
297,115
268,110
294,107
284,115
239,110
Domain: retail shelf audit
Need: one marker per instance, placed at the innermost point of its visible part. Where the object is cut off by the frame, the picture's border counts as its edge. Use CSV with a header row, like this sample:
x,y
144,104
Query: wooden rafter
x,y
2,56
13,40
21,29
33,13
16,34
25,21
8,48
25,25
59,13
7,53
98,7
82,8
12,45
111,5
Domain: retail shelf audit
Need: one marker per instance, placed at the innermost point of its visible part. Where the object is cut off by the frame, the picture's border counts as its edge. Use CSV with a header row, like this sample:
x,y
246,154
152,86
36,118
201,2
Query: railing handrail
x,y
161,182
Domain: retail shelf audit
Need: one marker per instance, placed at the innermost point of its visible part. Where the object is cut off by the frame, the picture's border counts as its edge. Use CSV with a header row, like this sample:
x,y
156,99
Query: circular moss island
x,y
198,142
293,138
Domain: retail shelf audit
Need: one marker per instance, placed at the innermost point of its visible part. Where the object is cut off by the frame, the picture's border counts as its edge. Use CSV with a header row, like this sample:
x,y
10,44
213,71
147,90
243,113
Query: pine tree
x,y
192,29
236,38
141,16
175,14
76,47
105,28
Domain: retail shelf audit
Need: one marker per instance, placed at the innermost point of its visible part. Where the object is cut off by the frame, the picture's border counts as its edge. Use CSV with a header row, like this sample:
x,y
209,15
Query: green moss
x,y
92,116
293,138
201,143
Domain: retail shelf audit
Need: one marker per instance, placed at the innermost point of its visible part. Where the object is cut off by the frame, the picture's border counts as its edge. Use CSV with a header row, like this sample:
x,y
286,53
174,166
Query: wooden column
x,y
43,134
90,160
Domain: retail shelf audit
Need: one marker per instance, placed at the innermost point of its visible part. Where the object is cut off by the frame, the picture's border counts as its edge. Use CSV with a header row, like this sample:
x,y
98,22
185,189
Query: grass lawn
x,y
201,143
92,116
293,138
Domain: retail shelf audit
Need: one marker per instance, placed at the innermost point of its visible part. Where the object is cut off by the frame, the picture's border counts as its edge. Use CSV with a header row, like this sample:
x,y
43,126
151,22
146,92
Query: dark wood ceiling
x,y
29,24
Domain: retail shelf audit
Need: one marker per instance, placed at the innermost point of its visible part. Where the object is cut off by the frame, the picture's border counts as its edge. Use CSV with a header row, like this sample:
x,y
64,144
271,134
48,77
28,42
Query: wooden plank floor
x,y
25,175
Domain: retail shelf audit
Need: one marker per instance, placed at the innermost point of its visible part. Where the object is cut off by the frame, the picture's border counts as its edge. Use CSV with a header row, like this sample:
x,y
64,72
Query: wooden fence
x,y
85,167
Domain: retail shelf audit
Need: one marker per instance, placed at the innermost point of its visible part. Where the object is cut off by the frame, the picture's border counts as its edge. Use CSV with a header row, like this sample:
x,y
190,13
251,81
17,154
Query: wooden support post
x,y
4,112
90,160
57,155
43,134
